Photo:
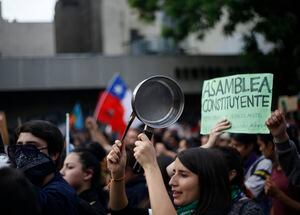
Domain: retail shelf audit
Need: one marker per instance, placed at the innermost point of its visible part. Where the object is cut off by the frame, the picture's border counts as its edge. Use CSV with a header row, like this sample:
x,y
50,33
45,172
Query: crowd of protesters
x,y
183,172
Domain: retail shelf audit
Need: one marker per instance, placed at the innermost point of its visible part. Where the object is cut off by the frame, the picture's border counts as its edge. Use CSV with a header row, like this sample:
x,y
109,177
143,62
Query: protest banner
x,y
3,128
288,103
245,100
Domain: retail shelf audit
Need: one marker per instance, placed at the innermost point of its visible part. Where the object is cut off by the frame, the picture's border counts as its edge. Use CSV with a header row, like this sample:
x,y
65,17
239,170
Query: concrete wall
x,y
78,26
26,39
95,71
115,27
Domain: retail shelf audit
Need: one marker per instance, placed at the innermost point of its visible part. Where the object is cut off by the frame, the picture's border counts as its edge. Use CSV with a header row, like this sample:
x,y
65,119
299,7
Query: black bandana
x,y
35,164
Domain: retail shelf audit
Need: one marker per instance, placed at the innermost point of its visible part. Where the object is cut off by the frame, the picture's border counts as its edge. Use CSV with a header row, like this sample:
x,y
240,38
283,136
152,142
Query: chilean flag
x,y
114,105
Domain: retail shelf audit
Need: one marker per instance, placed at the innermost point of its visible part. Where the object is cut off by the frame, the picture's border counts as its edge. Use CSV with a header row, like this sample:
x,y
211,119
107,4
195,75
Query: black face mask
x,y
35,164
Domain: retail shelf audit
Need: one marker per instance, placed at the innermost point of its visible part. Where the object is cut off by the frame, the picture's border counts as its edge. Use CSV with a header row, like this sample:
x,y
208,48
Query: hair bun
x,y
94,148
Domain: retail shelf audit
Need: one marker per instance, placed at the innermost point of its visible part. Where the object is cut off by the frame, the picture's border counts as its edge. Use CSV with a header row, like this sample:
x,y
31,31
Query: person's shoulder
x,y
264,162
245,206
58,184
250,207
85,208
261,163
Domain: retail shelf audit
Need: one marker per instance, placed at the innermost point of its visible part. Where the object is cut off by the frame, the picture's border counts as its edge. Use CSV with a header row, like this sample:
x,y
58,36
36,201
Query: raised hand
x,y
217,130
91,123
116,160
277,125
144,151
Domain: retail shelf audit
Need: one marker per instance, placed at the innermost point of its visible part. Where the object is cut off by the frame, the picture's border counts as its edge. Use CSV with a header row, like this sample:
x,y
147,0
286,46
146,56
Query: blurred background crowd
x,y
64,64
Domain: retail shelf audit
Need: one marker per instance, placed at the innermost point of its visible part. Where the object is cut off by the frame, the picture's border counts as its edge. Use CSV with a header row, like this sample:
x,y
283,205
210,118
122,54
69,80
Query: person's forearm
x,y
159,198
97,136
281,138
289,161
211,141
289,202
117,195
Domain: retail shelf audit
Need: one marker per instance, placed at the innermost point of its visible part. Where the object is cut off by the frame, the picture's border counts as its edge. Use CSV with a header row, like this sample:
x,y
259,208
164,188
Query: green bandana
x,y
236,193
188,209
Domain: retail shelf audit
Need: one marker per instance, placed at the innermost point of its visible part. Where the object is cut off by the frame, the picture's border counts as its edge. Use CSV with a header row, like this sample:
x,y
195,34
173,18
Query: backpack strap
x,y
253,168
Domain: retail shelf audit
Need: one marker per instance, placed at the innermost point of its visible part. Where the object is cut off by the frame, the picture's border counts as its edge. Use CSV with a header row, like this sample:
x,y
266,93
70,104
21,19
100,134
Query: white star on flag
x,y
118,89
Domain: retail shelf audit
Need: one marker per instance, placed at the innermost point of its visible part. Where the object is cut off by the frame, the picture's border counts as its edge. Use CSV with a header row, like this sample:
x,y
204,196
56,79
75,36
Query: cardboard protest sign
x,y
288,103
245,100
3,128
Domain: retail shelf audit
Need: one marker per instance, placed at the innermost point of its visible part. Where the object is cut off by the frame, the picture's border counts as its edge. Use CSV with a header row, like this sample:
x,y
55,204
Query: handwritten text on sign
x,y
245,100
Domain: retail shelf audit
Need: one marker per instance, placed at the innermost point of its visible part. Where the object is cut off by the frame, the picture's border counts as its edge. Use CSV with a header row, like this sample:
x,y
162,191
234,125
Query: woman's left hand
x,y
144,152
271,188
216,131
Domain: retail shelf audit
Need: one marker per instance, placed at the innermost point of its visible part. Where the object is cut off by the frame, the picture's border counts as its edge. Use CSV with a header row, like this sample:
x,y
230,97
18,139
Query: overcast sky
x,y
28,10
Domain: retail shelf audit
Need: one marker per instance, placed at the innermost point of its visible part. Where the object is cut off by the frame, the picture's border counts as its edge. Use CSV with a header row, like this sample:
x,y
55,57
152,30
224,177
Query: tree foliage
x,y
276,20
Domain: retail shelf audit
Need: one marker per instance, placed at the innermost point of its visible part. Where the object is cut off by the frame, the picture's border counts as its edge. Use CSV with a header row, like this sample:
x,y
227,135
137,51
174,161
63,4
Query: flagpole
x,y
67,134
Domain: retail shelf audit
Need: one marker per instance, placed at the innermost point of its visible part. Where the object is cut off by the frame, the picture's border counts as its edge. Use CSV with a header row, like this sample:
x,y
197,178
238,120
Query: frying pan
x,y
158,102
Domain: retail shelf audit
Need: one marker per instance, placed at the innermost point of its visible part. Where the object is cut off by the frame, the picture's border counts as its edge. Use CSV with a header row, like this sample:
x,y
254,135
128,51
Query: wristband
x,y
118,179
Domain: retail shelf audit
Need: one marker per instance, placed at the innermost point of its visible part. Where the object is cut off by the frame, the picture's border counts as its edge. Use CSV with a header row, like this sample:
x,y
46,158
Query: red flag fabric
x,y
113,105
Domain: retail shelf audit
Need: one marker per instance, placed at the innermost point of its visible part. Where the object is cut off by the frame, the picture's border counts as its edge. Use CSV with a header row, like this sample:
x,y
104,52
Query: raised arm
x,y
116,162
215,133
96,134
288,156
145,154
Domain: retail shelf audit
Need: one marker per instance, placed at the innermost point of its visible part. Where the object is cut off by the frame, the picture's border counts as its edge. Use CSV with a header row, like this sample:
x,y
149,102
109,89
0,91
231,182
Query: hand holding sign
x,y
245,100
215,133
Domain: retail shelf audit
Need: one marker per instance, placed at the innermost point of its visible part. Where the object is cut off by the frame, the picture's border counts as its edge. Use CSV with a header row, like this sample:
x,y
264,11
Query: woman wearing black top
x,y
81,170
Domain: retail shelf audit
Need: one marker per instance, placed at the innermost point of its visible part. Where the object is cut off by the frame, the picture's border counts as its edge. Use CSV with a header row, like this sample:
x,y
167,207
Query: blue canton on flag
x,y
118,88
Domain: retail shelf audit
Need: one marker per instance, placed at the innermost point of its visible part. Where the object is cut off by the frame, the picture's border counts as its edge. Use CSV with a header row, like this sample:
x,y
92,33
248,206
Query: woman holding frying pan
x,y
199,182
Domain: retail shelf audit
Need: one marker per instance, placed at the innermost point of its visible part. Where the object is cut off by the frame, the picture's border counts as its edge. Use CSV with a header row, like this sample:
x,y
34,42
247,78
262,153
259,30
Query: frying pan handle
x,y
148,134
137,168
132,117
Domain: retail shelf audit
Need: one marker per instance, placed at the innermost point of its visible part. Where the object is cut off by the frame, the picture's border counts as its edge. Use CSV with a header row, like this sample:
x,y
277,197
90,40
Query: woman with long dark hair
x,y
199,182
240,202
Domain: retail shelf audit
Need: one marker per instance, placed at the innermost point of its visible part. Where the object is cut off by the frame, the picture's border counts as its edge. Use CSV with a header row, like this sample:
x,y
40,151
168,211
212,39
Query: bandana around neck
x,y
188,209
236,193
35,164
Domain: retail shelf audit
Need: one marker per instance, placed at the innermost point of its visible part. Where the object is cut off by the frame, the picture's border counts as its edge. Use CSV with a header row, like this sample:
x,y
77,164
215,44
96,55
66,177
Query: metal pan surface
x,y
158,101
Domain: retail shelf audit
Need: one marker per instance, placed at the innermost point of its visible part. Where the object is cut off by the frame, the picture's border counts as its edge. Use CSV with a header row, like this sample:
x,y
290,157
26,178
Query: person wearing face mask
x,y
36,153
199,181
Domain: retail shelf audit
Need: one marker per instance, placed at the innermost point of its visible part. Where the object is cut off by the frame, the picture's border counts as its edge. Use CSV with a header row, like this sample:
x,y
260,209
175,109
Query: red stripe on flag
x,y
111,111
